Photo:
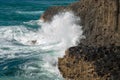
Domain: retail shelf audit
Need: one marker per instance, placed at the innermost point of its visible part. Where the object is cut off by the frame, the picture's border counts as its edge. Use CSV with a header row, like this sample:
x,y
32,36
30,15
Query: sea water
x,y
30,47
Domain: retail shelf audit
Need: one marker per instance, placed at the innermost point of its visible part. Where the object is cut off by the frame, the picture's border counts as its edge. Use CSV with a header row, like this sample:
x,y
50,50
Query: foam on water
x,y
50,41
30,12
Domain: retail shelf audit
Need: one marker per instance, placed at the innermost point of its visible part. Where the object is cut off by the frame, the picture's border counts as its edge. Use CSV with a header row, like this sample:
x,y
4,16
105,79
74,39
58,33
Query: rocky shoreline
x,y
97,57
91,63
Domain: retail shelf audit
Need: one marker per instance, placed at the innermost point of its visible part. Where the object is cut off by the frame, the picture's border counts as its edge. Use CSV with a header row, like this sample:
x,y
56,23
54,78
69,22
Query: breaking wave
x,y
45,45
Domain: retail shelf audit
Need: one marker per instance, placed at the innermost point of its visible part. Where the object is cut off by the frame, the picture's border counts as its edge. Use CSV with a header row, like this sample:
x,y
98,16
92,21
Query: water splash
x,y
49,42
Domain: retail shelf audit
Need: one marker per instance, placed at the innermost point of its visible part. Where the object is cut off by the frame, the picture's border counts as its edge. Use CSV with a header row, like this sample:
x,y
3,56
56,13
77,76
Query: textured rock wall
x,y
98,56
91,63
100,21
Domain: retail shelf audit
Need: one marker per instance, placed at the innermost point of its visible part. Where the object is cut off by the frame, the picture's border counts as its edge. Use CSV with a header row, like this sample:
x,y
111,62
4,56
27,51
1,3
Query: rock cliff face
x,y
100,20
91,63
98,56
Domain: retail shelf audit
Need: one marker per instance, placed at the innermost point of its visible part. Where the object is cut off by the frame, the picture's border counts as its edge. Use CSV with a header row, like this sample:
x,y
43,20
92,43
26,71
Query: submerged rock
x,y
34,41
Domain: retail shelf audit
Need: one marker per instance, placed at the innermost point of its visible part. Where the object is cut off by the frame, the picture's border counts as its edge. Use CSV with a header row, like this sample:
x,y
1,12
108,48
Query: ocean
x,y
30,47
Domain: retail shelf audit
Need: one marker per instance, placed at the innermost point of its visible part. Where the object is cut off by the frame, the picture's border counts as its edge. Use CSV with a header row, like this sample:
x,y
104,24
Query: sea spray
x,y
63,28
50,42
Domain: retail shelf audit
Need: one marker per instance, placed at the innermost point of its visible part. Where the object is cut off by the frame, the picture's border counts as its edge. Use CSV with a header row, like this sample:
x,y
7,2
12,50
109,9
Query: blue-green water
x,y
20,59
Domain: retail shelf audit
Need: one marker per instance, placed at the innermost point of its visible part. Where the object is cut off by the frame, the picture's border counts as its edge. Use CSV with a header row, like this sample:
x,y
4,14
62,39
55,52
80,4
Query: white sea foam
x,y
29,12
63,28
34,22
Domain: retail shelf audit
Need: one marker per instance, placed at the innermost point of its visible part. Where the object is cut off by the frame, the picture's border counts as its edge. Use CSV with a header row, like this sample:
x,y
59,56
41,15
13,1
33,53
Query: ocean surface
x,y
29,47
